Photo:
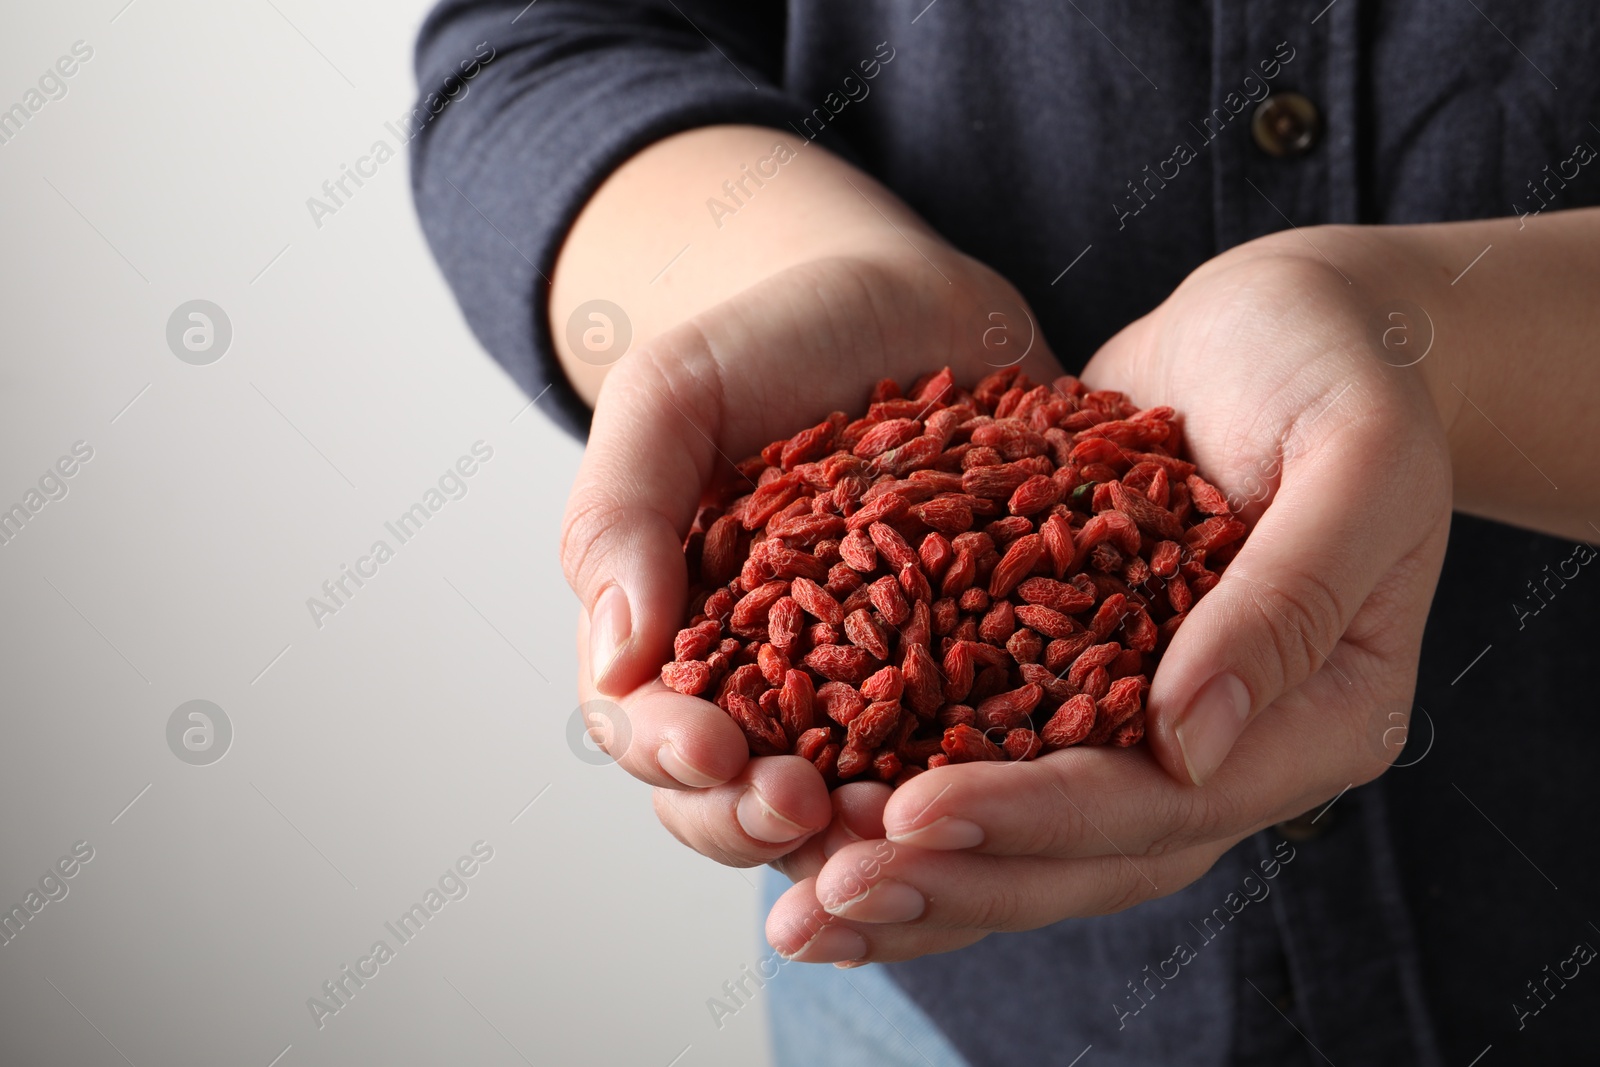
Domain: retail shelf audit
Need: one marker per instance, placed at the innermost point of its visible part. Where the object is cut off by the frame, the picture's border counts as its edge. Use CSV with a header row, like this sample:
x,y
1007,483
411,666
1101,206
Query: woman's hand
x,y
1281,687
1286,682
757,367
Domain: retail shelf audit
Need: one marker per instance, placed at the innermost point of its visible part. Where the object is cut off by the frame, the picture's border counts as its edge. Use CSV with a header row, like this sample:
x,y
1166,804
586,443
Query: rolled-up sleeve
x,y
532,106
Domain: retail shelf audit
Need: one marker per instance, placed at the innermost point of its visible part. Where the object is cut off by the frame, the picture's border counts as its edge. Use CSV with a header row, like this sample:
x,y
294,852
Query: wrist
x,y
1392,289
647,244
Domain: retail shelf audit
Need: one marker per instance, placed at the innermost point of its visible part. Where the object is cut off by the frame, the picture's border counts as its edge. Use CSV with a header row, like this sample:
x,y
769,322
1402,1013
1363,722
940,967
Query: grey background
x,y
367,755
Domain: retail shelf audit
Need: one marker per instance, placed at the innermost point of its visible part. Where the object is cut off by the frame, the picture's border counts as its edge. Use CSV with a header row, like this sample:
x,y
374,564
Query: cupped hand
x,y
761,366
1284,685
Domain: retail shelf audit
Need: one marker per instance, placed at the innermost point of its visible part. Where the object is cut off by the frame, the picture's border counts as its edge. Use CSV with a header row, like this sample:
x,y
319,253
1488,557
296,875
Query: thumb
x,y
1270,623
649,454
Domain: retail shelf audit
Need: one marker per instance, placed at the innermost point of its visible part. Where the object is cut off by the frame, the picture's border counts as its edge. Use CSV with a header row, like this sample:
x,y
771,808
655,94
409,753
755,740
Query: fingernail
x,y
682,770
888,901
1215,719
832,944
945,834
610,626
761,822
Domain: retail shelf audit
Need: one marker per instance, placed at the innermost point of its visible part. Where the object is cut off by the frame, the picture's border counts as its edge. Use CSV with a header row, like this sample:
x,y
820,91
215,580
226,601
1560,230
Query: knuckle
x,y
1197,816
995,909
1054,823
1305,624
1128,889
662,800
1052,827
699,826
797,865
589,522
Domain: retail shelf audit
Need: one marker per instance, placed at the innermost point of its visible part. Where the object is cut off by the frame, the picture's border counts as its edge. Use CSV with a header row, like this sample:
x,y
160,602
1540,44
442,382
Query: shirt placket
x,y
1289,159
1280,70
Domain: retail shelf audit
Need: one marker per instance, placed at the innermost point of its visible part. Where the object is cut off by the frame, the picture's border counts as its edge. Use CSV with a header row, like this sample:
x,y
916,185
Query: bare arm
x,y
793,202
1514,364
1521,348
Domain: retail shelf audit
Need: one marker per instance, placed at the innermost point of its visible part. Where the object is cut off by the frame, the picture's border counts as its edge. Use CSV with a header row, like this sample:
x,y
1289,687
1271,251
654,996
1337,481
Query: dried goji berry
x,y
873,726
885,684
773,663
1015,565
1021,744
998,622
784,622
690,677
811,743
1060,541
765,736
892,546
949,513
1011,709
840,701
841,663
922,689
815,600
1034,495
886,508
853,760
1071,723
1025,646
1047,621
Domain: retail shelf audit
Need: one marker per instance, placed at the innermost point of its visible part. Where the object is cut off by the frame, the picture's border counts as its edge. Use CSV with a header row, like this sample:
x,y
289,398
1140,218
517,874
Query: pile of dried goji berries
x,y
960,575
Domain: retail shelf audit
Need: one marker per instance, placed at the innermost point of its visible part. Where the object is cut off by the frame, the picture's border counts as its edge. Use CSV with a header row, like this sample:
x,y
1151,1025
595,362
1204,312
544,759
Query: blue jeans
x,y
847,1018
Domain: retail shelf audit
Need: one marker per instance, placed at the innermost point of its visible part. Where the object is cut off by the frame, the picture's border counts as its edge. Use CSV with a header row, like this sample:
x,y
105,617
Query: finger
x,y
857,816
858,809
802,930
1283,603
668,739
773,805
647,459
962,891
1088,802
658,735
805,861
1076,803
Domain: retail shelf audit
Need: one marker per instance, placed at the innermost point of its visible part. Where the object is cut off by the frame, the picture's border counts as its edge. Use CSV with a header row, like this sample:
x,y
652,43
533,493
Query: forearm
x,y
1515,365
658,239
1511,350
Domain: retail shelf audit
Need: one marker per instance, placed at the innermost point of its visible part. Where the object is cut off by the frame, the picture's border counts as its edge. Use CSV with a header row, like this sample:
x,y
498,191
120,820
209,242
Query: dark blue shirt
x,y
1094,153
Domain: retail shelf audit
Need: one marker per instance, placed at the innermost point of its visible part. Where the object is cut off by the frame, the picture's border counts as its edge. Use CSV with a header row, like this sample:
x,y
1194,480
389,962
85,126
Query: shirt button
x,y
1285,124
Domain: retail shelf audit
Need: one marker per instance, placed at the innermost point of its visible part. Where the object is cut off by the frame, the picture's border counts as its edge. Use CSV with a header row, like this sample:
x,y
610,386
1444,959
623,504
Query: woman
x,y
712,223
